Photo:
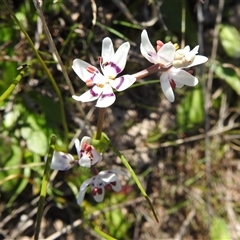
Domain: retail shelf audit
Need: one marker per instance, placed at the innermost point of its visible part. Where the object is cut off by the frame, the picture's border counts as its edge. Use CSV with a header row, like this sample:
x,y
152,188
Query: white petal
x,y
110,177
166,87
119,59
178,84
99,196
83,189
107,49
97,184
195,50
166,54
147,48
80,68
123,82
85,140
61,161
85,161
90,95
185,78
107,97
77,146
186,50
199,59
97,157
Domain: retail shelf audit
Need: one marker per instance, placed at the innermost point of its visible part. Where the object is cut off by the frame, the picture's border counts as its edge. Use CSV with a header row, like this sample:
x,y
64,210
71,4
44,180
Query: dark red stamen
x,y
173,84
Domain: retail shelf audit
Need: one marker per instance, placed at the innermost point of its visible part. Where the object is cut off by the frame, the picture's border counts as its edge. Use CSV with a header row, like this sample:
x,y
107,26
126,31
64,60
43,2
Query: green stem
x,y
13,85
103,234
44,186
134,176
44,66
101,115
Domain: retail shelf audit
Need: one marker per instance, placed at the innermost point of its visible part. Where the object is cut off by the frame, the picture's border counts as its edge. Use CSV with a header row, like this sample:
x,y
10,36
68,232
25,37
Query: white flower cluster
x,y
87,157
171,62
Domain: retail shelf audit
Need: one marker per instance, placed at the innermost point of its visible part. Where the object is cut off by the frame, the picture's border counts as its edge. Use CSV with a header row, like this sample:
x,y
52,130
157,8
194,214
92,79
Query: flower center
x,y
87,149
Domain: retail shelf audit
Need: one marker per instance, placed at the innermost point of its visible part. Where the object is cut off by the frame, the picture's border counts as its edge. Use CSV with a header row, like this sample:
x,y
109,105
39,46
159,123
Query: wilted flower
x,y
87,156
102,84
104,179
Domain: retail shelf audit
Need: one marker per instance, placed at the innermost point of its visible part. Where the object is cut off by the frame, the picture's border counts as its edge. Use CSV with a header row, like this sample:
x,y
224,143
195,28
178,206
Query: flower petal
x,y
107,50
117,62
199,59
83,189
61,161
107,97
81,67
97,157
98,189
166,87
184,77
85,140
166,54
90,95
147,48
123,82
77,146
111,178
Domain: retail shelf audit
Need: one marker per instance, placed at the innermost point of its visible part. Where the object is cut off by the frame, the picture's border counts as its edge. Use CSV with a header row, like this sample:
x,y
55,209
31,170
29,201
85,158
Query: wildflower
x,y
171,63
104,179
102,84
87,156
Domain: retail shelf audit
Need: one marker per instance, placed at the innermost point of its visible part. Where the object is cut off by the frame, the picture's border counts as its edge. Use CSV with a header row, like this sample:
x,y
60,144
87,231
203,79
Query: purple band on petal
x,y
120,83
93,93
107,95
117,68
93,76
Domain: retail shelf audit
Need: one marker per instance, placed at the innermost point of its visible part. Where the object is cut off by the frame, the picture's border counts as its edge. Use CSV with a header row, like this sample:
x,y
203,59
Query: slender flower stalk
x,y
45,68
44,186
100,121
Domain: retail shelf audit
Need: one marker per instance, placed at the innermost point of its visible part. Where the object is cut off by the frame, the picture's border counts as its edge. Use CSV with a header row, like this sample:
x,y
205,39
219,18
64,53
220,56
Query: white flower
x,y
171,64
61,161
164,56
104,179
111,65
87,156
186,58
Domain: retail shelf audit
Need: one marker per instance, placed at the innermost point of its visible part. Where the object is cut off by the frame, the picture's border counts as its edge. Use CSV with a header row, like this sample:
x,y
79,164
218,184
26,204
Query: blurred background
x,y
185,153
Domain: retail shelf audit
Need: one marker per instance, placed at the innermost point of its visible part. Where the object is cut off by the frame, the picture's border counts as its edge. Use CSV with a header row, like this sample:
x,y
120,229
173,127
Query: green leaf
x,y
229,75
9,175
37,142
230,38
